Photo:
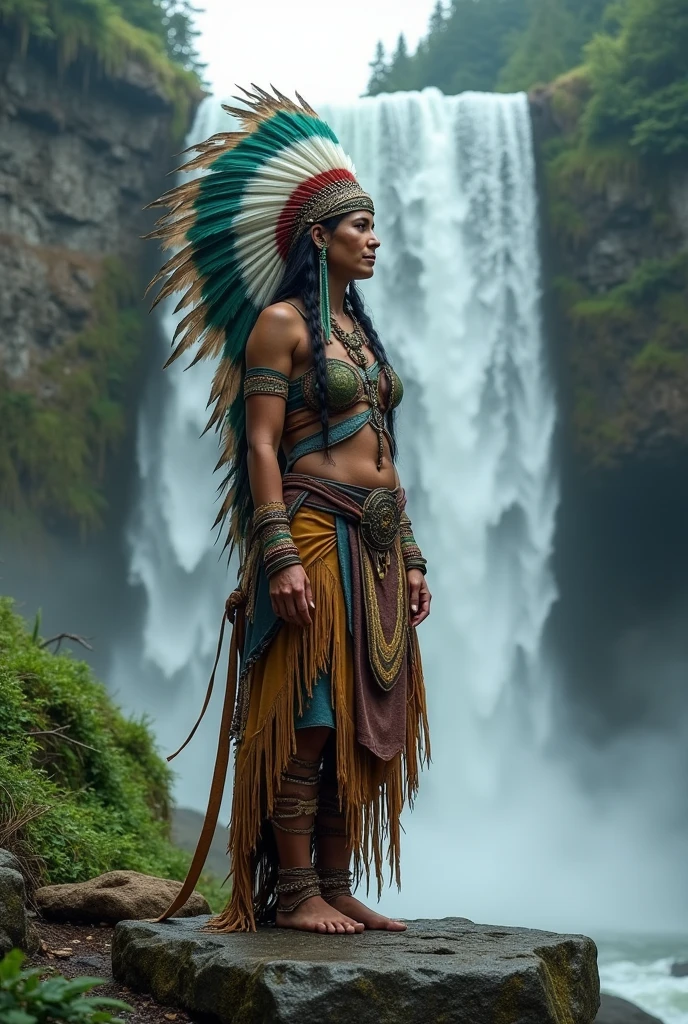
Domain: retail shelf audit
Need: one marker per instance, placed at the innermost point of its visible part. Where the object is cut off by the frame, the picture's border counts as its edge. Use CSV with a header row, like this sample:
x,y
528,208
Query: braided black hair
x,y
301,278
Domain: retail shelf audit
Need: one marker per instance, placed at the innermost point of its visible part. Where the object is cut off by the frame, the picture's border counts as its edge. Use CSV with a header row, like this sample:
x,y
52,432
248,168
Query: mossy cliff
x,y
79,159
616,266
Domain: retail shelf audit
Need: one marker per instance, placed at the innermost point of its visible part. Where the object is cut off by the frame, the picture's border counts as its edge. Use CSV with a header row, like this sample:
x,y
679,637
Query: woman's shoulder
x,y
278,332
285,312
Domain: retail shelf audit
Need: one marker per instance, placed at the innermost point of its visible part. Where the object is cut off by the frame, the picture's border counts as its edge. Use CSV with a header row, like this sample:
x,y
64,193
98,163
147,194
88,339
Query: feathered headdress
x,y
234,228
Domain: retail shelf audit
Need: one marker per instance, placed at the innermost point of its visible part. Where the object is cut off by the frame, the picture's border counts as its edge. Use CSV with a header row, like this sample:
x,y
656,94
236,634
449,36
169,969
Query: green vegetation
x,y
82,788
56,434
638,78
491,45
157,33
634,53
28,997
626,343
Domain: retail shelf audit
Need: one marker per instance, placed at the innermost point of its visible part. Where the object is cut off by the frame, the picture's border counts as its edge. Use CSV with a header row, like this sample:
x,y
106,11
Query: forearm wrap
x,y
271,524
411,553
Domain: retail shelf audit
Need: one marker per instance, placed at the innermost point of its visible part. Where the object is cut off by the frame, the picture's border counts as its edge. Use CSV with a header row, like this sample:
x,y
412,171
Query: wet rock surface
x,y
450,970
614,1010
15,927
114,896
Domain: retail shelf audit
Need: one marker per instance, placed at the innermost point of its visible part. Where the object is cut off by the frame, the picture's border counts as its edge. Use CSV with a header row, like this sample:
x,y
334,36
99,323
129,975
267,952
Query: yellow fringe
x,y
372,792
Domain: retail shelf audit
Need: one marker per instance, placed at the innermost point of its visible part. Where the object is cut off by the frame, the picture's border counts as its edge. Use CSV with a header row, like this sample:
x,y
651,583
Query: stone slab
x,y
448,971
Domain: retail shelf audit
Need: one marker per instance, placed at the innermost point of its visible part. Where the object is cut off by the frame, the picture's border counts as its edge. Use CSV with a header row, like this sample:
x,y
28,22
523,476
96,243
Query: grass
x,y
83,789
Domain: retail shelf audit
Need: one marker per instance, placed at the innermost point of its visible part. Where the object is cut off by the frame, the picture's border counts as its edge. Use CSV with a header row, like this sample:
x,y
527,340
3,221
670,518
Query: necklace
x,y
354,342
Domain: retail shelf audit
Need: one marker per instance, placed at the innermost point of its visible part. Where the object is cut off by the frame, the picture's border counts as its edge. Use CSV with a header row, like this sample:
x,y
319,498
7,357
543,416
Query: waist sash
x,y
373,572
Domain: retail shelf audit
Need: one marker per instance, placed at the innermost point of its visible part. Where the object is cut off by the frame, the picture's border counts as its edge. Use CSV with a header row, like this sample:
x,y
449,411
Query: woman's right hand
x,y
290,593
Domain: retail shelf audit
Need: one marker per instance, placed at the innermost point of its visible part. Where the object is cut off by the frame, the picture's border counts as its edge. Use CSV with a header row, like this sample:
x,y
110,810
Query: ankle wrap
x,y
296,885
334,882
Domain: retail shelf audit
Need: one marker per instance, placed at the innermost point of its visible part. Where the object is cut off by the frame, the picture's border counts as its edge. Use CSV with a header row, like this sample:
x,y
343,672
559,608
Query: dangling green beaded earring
x,y
324,295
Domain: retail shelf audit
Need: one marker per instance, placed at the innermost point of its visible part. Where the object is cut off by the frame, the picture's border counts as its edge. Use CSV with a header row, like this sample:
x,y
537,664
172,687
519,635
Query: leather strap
x,y
299,311
234,613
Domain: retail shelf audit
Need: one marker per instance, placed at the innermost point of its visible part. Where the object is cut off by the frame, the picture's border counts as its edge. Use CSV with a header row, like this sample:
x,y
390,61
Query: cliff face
x,y
615,241
78,162
616,264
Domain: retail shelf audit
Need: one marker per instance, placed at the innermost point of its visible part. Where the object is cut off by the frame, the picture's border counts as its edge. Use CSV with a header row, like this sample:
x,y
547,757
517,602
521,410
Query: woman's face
x,y
352,246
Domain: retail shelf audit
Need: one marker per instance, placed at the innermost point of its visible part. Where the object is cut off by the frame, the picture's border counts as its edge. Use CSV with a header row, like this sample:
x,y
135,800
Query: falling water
x,y
456,298
456,301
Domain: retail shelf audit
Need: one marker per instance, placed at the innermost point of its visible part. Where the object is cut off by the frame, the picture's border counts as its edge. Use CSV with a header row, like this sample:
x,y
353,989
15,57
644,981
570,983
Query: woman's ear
x,y
318,235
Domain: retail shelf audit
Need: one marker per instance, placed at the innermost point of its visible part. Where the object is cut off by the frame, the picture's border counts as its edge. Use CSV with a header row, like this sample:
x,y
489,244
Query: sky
x,y
321,48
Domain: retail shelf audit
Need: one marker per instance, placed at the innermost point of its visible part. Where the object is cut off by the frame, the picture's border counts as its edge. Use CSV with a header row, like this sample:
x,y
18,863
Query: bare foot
x,y
371,919
315,915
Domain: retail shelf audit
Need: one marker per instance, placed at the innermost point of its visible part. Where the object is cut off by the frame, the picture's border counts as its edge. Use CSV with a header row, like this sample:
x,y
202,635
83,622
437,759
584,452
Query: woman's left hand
x,y
419,596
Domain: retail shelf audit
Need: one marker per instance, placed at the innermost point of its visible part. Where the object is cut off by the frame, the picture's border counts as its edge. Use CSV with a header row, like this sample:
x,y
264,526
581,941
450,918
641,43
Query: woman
x,y
329,717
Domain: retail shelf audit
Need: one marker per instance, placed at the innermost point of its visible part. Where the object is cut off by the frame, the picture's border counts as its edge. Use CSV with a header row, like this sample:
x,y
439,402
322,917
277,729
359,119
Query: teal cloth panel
x,y
317,710
344,555
295,396
339,432
266,625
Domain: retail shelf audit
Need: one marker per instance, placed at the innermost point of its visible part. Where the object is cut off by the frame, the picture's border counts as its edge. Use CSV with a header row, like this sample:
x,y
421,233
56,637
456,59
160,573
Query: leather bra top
x,y
344,388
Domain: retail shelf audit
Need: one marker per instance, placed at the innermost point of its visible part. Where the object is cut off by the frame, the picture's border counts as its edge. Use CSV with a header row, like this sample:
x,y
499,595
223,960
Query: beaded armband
x,y
411,553
261,380
271,524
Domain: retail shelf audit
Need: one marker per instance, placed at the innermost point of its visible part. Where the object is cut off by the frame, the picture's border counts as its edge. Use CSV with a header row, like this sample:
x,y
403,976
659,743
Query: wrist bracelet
x,y
271,523
410,552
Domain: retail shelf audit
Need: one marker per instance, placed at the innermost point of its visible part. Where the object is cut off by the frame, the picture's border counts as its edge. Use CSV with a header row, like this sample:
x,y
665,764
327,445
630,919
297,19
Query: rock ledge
x,y
450,971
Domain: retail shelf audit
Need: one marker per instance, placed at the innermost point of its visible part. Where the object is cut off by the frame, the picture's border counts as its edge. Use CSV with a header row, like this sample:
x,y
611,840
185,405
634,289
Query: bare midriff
x,y
353,461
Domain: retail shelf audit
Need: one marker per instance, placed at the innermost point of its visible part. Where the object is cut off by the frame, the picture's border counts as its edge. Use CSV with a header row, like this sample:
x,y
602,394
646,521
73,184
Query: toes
x,y
340,927
321,927
330,928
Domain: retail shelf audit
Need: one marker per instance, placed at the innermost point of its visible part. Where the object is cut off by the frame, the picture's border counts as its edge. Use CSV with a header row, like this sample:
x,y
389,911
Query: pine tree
x,y
400,75
379,71
544,50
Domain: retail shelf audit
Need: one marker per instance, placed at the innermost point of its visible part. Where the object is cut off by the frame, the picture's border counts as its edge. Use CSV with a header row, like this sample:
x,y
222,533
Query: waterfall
x,y
456,301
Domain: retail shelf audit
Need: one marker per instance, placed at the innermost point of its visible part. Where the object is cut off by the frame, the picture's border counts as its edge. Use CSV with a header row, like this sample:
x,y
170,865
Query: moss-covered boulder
x,y
437,972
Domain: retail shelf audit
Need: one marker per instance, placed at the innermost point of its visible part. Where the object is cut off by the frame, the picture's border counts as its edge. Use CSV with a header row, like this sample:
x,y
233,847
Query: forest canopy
x,y
490,45
631,53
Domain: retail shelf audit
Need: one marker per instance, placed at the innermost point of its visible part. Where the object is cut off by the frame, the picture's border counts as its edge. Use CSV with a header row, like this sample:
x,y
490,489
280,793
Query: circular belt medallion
x,y
381,519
